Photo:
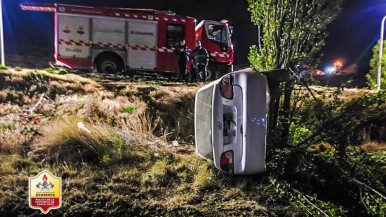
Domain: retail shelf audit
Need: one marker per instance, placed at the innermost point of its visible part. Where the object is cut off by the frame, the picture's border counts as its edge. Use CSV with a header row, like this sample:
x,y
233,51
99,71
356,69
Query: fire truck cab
x,y
125,39
216,38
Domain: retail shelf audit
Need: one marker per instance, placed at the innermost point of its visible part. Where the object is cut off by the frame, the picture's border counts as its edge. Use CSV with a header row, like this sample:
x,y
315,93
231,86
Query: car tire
x,y
109,66
192,75
212,70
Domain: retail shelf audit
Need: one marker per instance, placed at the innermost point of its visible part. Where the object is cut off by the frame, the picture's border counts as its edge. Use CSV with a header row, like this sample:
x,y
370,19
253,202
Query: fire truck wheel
x,y
211,71
193,75
217,70
222,69
109,66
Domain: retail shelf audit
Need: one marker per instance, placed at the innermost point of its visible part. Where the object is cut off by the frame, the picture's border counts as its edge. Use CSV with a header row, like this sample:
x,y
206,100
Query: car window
x,y
217,33
174,34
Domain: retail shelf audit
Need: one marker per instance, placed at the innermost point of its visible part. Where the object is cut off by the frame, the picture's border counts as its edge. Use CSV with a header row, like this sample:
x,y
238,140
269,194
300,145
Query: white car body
x,y
231,122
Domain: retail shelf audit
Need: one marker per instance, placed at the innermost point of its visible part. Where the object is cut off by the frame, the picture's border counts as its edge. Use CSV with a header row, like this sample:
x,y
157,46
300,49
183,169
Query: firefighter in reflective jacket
x,y
200,62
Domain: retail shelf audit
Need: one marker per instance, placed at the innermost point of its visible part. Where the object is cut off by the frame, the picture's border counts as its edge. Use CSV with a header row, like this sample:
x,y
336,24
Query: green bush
x,y
306,203
129,108
375,204
2,67
298,133
50,70
372,76
37,74
62,71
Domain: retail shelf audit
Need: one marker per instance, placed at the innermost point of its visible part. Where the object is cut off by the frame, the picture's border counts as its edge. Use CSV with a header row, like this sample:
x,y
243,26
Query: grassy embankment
x,y
126,165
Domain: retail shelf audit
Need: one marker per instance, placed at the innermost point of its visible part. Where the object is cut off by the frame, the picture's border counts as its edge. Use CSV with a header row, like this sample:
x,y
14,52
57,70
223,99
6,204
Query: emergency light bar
x,y
38,7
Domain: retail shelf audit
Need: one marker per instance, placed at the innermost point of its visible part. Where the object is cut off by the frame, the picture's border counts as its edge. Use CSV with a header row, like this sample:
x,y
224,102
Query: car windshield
x,y
218,33
204,123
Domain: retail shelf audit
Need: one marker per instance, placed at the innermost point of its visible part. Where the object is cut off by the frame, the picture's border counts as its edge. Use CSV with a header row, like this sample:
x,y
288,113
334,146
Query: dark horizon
x,y
351,36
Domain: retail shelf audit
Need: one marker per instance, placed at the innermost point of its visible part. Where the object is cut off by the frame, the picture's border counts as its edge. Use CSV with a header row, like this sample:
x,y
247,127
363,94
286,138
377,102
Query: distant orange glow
x,y
338,64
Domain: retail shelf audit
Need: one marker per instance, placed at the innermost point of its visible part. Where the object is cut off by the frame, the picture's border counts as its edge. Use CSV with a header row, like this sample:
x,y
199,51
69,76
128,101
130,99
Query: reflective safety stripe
x,y
217,54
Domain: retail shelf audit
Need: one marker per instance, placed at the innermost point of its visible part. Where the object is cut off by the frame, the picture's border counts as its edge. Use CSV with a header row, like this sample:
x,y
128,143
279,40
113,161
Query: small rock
x,y
82,127
30,154
175,143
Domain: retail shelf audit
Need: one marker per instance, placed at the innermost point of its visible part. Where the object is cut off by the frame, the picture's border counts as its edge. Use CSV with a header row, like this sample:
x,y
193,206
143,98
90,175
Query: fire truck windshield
x,y
218,33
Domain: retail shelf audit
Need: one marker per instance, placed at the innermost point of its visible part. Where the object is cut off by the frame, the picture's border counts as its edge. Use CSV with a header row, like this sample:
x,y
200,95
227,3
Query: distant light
x,y
339,63
331,70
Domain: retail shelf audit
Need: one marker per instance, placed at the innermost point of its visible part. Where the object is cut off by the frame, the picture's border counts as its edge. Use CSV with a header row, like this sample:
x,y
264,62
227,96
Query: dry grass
x,y
59,132
15,136
8,108
11,141
62,137
327,93
24,87
125,166
67,78
6,164
374,147
158,173
204,178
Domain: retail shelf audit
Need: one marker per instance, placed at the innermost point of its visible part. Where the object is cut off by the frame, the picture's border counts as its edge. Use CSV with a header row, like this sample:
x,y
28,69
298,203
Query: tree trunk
x,y
284,140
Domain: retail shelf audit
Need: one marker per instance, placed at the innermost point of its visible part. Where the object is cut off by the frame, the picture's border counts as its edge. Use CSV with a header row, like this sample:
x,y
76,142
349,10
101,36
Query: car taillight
x,y
226,86
226,162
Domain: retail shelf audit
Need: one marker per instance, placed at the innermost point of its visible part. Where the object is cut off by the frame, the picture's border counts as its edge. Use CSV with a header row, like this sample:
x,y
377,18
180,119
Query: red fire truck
x,y
126,39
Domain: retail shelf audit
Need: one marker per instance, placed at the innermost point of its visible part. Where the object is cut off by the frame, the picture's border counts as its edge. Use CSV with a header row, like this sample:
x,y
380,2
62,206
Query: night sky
x,y
351,36
354,33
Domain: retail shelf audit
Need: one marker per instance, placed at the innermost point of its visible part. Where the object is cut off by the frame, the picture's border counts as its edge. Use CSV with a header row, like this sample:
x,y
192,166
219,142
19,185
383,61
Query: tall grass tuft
x,y
64,141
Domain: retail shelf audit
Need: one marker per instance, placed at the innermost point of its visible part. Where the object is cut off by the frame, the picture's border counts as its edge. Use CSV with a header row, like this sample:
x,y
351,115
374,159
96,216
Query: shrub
x,y
62,71
50,70
298,133
129,108
37,74
59,71
375,204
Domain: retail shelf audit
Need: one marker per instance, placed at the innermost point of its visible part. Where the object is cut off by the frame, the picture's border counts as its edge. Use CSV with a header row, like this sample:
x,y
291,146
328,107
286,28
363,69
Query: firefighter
x,y
200,62
183,58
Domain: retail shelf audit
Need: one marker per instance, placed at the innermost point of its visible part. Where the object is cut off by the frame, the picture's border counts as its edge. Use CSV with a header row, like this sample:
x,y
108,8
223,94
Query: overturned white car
x,y
231,119
231,122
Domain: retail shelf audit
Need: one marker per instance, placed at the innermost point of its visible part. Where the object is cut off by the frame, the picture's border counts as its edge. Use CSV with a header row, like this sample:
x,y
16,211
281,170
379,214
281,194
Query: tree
x,y
290,31
372,75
